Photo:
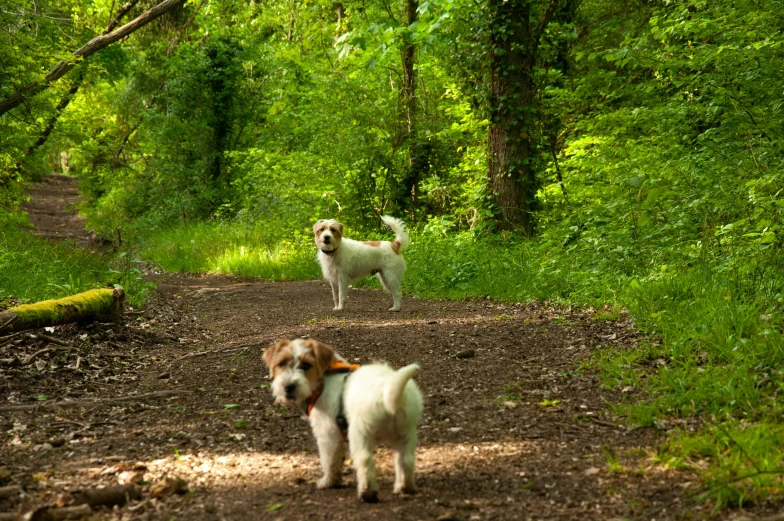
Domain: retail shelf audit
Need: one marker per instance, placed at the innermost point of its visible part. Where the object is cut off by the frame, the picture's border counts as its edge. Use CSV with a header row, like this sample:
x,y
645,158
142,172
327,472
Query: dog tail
x,y
401,235
394,387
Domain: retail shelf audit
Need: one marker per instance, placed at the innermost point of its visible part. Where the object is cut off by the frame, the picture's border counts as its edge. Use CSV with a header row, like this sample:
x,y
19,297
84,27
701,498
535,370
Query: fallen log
x,y
97,304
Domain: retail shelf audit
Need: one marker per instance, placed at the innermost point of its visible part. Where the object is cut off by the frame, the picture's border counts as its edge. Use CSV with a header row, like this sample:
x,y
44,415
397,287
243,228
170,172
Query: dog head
x,y
297,368
328,233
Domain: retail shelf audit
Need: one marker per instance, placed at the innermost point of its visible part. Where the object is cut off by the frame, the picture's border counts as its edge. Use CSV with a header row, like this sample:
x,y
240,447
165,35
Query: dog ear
x,y
317,225
272,351
324,353
339,226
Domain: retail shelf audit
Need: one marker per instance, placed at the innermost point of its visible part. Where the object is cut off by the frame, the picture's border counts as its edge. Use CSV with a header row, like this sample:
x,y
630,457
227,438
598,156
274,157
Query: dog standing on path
x,y
368,404
344,260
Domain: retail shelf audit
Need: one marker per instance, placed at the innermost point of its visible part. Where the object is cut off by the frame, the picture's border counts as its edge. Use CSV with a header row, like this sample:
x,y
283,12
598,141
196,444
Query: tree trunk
x,y
88,49
514,41
418,161
409,73
101,304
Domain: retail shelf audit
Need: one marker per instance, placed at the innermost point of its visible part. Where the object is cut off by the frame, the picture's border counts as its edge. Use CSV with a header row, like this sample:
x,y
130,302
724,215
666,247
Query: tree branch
x,y
548,14
88,49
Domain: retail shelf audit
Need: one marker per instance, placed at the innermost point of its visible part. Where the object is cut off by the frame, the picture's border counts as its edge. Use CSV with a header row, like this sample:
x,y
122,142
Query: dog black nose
x,y
290,388
327,238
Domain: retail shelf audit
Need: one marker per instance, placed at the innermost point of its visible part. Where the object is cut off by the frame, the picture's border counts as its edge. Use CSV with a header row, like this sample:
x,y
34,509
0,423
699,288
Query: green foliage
x,y
239,250
33,269
218,137
742,462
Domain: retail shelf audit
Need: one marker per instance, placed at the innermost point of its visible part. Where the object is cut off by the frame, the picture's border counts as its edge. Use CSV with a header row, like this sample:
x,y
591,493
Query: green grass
x,y
236,250
33,269
741,463
715,351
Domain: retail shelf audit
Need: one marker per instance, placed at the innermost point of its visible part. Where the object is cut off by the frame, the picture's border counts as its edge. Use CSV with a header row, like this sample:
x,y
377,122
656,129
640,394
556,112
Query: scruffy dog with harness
x,y
344,260
366,405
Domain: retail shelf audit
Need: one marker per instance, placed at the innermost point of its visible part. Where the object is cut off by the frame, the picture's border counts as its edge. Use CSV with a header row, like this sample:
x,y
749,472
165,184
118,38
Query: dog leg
x,y
362,456
331,453
342,293
383,281
392,284
405,458
335,297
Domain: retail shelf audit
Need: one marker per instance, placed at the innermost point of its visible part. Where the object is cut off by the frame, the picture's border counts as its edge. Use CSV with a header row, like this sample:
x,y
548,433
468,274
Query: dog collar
x,y
331,252
336,367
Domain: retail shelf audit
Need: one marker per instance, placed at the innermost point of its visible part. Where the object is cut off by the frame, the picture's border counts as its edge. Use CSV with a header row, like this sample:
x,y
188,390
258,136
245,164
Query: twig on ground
x,y
53,340
10,491
243,347
11,336
29,360
601,422
87,403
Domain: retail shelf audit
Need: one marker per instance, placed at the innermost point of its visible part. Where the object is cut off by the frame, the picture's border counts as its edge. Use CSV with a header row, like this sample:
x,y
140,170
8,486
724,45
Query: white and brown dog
x,y
344,260
372,403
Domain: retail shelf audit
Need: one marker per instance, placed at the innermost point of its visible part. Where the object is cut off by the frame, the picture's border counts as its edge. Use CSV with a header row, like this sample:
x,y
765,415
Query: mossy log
x,y
97,304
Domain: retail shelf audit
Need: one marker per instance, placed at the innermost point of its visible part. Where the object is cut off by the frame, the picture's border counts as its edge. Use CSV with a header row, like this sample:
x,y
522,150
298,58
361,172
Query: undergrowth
x,y
33,269
248,251
719,351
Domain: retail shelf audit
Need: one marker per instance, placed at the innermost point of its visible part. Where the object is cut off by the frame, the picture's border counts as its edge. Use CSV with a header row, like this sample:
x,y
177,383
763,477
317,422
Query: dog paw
x,y
404,490
327,482
336,308
394,309
369,496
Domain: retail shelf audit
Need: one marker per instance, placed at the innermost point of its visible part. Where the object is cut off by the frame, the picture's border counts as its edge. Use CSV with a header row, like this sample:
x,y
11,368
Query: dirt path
x,y
52,209
515,427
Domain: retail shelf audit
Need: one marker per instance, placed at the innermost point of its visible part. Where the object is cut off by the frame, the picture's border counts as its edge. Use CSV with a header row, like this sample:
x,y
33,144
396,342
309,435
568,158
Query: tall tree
x,y
417,150
516,28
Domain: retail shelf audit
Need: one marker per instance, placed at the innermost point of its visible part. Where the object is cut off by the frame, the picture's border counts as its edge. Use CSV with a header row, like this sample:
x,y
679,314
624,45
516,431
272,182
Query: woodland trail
x,y
515,425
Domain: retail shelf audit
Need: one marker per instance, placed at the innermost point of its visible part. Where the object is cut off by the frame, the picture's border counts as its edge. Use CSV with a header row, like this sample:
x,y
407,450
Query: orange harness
x,y
336,367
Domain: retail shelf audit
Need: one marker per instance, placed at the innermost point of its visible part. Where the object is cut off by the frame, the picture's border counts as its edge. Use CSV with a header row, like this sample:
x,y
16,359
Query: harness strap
x,y
340,419
336,367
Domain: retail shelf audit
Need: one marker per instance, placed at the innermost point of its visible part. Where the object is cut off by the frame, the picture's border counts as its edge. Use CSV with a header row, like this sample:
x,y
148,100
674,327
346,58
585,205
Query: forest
x,y
624,157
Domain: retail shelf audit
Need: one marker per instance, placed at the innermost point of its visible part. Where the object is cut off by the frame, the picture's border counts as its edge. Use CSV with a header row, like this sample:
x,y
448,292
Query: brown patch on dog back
x,y
375,244
396,247
323,354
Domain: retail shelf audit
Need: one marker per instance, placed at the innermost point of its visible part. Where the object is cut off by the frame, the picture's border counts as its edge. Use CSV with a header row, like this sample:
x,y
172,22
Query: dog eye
x,y
304,366
284,363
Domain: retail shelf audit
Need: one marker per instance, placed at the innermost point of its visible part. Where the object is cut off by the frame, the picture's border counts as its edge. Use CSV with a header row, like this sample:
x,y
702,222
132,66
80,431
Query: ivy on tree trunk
x,y
514,40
